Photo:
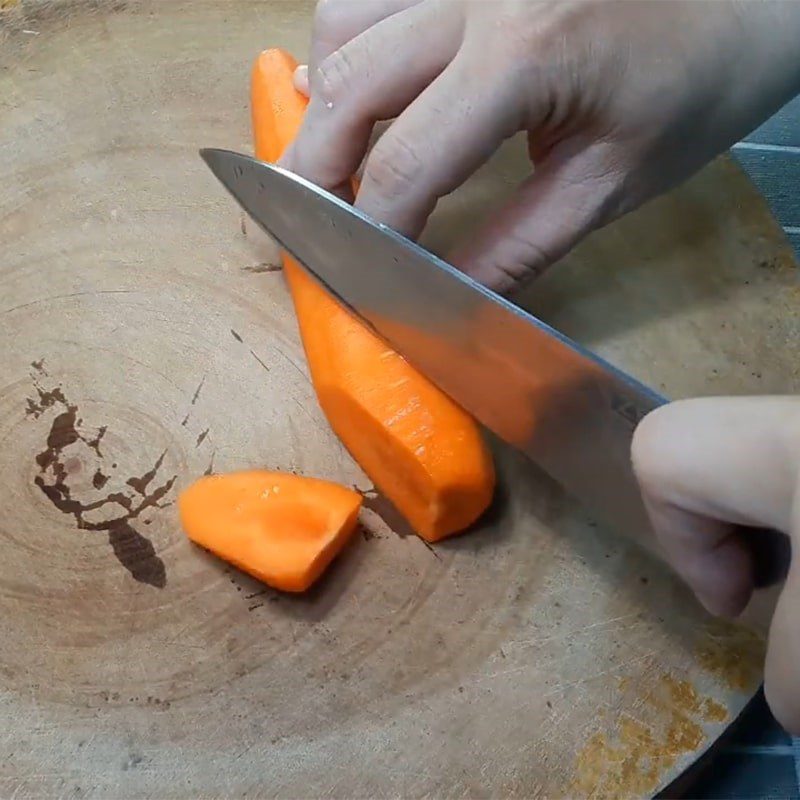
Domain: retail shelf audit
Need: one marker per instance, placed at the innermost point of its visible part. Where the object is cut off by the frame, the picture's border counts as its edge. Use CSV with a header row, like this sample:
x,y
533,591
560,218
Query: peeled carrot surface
x,y
282,529
418,447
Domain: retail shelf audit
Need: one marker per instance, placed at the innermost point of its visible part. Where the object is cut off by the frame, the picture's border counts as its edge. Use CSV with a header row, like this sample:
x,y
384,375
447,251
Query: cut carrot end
x,y
282,529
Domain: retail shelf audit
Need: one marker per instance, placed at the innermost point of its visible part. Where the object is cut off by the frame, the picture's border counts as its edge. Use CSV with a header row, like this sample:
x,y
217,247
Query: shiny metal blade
x,y
570,411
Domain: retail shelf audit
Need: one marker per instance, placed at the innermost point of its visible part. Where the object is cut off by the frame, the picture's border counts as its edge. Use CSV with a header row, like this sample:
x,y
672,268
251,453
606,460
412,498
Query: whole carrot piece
x,y
418,447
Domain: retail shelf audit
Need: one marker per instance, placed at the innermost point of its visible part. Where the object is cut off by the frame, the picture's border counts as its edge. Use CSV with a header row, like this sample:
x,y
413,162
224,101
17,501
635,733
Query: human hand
x,y
710,469
621,100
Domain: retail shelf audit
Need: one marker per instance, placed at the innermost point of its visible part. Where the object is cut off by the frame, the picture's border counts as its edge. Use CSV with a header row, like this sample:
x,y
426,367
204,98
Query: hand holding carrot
x,y
620,100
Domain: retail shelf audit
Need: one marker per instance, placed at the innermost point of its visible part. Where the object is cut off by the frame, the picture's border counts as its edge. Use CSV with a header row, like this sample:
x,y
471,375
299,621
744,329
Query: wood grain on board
x,y
146,338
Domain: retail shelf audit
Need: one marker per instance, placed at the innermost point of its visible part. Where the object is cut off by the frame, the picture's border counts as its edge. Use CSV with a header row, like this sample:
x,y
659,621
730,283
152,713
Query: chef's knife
x,y
567,409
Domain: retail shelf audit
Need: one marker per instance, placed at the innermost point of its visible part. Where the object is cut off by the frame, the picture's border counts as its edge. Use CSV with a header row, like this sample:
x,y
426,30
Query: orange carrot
x,y
418,447
282,529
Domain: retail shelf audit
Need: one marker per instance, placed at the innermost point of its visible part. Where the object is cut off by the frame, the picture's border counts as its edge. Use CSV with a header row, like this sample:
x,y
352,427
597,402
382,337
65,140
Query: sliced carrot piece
x,y
419,448
282,529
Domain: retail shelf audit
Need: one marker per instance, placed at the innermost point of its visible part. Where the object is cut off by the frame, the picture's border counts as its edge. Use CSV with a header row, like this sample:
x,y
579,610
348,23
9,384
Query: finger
x,y
575,189
375,76
450,130
708,554
707,468
336,22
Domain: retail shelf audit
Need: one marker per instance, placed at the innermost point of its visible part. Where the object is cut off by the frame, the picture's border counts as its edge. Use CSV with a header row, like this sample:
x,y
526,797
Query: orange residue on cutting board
x,y
733,654
684,695
637,760
640,755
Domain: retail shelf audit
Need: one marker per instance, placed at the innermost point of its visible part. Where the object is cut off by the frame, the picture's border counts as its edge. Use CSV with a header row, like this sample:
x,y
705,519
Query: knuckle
x,y
510,274
335,76
597,190
520,259
394,167
531,255
508,277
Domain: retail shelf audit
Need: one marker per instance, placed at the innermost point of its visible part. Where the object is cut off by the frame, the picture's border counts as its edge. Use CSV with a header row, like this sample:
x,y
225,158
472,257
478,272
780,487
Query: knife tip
x,y
215,160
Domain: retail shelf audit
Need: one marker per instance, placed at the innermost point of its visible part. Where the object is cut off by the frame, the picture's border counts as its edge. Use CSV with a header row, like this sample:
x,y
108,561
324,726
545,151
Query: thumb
x,y
574,189
712,473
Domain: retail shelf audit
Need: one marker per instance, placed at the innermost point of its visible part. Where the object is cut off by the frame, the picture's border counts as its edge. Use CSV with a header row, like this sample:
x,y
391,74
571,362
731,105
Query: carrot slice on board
x,y
419,448
282,529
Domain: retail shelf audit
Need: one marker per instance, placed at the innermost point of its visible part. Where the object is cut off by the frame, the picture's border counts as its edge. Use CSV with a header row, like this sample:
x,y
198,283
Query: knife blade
x,y
569,410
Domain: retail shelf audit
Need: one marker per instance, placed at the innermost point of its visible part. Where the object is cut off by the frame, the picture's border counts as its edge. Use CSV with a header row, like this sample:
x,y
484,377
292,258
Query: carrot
x,y
417,446
282,529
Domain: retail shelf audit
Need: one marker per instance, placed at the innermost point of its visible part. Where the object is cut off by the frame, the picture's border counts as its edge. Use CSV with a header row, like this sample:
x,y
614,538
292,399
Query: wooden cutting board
x,y
146,337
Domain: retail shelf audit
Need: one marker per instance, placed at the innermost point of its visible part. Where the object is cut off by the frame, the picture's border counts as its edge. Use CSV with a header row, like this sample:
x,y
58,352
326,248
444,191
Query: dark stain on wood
x,y
134,551
431,548
99,480
252,353
140,484
46,399
367,533
264,266
95,443
197,390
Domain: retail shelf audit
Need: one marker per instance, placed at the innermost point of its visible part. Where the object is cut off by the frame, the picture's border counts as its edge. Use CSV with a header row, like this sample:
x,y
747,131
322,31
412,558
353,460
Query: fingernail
x,y
300,79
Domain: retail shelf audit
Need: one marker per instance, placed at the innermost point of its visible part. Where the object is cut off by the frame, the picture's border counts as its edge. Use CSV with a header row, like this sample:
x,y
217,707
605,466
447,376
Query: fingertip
x,y
729,604
721,577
